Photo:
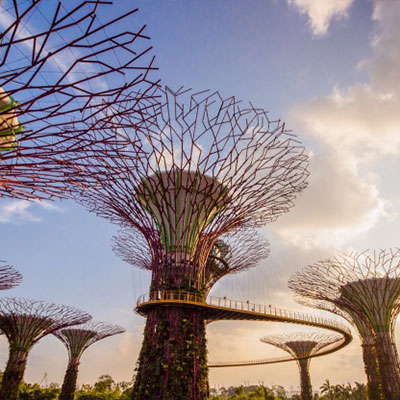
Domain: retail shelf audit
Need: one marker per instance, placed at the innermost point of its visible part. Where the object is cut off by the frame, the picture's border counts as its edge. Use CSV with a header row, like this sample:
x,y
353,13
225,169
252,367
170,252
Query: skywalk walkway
x,y
223,309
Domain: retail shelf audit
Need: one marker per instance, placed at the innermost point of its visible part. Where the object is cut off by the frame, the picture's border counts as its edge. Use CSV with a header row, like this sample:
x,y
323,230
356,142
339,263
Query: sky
x,y
330,70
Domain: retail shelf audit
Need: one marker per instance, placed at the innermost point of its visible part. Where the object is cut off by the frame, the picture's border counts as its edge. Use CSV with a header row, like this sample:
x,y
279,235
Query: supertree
x,y
303,346
366,288
9,276
366,336
232,253
62,67
77,339
206,167
25,322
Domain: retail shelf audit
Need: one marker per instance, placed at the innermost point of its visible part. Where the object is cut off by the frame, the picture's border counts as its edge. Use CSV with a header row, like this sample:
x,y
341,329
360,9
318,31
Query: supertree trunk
x,y
70,378
305,380
173,360
388,365
371,369
13,374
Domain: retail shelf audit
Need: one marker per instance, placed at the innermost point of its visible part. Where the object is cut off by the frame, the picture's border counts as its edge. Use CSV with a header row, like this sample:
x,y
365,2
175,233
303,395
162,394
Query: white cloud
x,y
17,211
321,12
21,210
364,118
352,127
337,206
49,206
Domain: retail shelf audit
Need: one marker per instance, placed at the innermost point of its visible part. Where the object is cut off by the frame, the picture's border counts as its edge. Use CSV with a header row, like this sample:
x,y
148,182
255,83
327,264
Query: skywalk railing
x,y
272,360
246,306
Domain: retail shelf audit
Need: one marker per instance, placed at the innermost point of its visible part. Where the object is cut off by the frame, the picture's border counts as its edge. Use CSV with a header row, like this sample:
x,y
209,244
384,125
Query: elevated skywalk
x,y
223,309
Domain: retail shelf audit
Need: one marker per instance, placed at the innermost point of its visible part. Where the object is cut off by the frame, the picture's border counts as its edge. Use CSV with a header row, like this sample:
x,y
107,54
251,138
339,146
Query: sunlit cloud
x,y
337,206
352,127
320,13
17,211
363,118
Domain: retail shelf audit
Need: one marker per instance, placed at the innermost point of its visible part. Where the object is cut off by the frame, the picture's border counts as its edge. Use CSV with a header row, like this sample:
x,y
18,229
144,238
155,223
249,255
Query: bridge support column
x,y
173,360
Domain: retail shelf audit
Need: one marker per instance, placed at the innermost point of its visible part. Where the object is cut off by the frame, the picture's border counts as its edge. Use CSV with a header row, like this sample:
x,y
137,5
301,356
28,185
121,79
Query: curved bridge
x,y
218,309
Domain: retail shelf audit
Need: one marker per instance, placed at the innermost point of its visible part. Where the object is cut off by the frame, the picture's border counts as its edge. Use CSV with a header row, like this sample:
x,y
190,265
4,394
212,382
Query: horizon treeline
x,y
105,388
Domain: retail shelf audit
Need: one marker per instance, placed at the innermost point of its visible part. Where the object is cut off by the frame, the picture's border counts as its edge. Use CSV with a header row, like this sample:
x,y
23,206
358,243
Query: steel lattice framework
x,y
77,339
302,346
9,276
232,253
195,167
366,288
62,66
25,322
204,162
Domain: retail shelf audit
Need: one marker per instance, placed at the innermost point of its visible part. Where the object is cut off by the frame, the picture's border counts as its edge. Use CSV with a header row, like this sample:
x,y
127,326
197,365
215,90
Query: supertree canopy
x,y
25,322
232,252
303,346
366,287
63,64
9,276
77,339
206,166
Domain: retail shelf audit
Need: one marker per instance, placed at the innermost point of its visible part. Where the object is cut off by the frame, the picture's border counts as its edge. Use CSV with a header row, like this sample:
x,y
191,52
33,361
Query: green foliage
x,y
173,358
104,384
328,392
35,392
343,392
250,393
107,389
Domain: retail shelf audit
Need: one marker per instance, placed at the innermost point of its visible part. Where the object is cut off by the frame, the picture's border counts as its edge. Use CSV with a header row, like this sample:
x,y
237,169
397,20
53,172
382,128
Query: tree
x,y
235,168
77,340
366,287
303,346
24,322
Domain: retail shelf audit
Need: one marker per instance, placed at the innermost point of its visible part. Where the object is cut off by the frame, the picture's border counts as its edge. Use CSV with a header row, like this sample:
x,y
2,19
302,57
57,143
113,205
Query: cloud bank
x,y
364,118
353,128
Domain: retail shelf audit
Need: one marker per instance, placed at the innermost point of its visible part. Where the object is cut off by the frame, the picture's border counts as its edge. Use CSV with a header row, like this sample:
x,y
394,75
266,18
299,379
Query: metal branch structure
x,y
9,276
303,346
206,167
366,288
63,67
25,322
77,339
232,253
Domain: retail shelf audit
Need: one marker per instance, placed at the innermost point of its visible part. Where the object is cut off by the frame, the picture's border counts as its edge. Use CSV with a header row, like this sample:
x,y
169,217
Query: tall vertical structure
x,y
366,287
205,167
366,336
303,346
64,65
77,339
25,322
9,276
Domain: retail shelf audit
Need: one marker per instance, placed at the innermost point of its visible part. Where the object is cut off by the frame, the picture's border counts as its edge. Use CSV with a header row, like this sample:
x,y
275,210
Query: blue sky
x,y
324,68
